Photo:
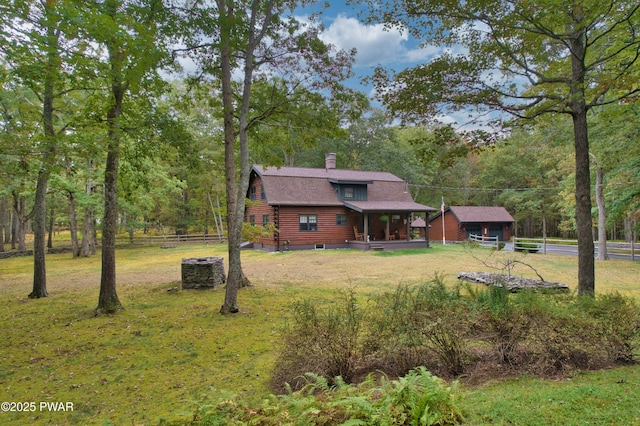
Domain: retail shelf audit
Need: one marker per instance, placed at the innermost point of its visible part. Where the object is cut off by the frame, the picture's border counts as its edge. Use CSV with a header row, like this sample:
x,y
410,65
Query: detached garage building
x,y
461,221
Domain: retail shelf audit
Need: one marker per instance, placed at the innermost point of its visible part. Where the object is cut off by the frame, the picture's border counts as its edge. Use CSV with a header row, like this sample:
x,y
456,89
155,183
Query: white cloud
x,y
375,44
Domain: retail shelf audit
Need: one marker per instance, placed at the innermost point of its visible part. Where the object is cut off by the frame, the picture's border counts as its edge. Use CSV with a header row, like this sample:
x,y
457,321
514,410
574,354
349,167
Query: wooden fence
x,y
485,241
615,250
168,241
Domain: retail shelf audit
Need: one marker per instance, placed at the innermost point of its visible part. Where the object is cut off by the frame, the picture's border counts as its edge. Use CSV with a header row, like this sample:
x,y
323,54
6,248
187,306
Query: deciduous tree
x,y
135,36
247,37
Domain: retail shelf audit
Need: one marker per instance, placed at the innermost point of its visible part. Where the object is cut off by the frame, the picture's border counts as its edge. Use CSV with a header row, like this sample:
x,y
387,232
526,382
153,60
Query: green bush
x,y
321,340
617,324
528,247
429,320
506,321
450,331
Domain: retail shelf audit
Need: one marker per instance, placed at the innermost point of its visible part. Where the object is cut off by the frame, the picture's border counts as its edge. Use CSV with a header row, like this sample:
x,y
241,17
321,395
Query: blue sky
x,y
376,46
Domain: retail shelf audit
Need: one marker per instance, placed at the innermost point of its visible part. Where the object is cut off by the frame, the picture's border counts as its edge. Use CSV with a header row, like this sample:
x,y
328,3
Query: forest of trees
x,y
93,103
530,172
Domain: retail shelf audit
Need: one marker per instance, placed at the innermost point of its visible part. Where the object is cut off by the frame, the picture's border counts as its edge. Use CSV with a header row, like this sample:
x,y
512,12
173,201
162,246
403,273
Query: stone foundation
x,y
202,272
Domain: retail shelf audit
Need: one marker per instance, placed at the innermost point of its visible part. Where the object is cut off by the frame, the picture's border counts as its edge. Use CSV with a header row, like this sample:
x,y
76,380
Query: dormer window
x,y
348,192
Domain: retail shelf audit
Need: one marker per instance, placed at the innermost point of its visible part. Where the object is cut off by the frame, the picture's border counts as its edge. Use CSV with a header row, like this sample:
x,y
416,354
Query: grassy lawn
x,y
171,349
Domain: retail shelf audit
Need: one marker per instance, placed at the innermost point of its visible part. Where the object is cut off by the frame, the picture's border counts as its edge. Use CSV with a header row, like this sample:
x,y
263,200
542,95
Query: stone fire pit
x,y
202,272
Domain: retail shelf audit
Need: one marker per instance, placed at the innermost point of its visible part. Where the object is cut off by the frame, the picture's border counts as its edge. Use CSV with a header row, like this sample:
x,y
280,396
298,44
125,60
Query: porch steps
x,y
377,248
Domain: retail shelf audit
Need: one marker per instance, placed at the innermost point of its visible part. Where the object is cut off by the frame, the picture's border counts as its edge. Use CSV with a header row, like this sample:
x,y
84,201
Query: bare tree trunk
x,y
20,222
73,225
628,229
88,244
234,276
108,301
3,218
15,225
40,204
586,259
602,216
52,213
40,221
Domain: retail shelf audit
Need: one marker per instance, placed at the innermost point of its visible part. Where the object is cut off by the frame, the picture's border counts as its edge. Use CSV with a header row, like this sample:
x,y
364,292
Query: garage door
x,y
496,231
474,229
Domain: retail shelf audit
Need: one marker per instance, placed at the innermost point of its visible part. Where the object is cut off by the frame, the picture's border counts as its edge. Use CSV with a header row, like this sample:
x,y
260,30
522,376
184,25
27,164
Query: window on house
x,y
265,219
308,222
341,219
348,192
252,193
263,195
252,219
395,219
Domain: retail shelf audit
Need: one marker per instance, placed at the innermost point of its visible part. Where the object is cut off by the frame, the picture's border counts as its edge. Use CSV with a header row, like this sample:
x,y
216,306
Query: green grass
x,y
168,350
596,398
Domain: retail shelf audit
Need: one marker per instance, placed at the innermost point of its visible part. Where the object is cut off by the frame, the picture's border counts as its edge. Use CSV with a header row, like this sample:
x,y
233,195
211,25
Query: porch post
x,y
388,235
426,228
407,228
365,227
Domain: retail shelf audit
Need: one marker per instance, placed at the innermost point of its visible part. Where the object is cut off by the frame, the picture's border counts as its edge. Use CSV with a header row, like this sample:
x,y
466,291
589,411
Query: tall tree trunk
x,y
15,225
602,216
50,229
234,276
88,244
20,217
108,301
628,229
73,225
39,230
236,191
3,218
586,260
40,204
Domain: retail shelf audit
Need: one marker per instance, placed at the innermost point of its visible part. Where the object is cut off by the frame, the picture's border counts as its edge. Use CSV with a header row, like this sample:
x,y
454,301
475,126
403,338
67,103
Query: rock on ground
x,y
512,282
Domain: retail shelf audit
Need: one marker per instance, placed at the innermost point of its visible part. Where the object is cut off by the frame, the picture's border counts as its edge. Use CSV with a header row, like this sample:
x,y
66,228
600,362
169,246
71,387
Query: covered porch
x,y
387,225
388,245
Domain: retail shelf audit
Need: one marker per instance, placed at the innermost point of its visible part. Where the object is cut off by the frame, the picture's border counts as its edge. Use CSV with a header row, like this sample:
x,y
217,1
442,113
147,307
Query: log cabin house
x,y
462,221
332,208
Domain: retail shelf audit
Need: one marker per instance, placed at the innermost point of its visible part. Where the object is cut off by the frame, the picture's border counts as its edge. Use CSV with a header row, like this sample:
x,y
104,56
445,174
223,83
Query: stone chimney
x,y
330,160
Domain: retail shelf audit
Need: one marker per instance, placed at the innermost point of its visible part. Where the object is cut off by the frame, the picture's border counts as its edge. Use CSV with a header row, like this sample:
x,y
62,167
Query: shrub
x,y
617,324
447,340
324,341
528,247
424,321
505,321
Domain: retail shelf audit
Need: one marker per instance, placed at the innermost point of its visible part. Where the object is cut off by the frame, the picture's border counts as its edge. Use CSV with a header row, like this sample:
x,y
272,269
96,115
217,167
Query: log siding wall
x,y
288,223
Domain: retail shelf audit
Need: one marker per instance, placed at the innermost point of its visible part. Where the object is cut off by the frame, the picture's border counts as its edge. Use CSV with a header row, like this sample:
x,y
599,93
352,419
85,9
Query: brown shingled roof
x,y
469,214
312,187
